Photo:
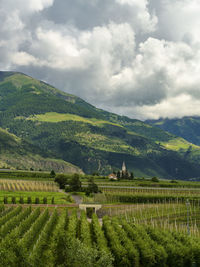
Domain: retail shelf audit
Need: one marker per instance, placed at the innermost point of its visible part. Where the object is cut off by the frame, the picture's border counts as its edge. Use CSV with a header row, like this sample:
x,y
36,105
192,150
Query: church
x,y
120,174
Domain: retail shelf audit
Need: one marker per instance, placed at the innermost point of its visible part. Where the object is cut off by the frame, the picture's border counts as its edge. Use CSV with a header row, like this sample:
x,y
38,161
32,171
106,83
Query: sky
x,y
139,58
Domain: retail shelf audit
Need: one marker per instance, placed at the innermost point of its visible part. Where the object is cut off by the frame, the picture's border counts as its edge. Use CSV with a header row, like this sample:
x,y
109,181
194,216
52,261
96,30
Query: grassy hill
x,y
68,128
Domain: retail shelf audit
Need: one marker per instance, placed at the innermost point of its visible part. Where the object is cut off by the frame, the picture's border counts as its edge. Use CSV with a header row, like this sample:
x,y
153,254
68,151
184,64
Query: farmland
x,y
21,185
34,197
140,223
31,237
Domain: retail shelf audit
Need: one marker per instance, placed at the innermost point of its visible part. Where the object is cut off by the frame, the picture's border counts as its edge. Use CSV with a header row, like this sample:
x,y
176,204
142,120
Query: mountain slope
x,y
187,127
68,128
18,154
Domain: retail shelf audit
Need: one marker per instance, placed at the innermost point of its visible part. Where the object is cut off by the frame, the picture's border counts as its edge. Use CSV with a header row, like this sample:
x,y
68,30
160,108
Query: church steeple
x,y
123,167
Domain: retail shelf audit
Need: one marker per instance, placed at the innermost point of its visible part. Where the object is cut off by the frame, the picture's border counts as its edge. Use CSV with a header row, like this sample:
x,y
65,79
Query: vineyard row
x,y
31,237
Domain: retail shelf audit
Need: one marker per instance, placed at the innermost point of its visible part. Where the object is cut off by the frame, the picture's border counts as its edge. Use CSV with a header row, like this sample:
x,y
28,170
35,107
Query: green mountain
x,y
187,127
64,127
16,153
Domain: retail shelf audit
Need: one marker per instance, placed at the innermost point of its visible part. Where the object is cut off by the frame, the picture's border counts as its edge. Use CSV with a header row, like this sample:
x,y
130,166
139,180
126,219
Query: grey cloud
x,y
88,14
113,53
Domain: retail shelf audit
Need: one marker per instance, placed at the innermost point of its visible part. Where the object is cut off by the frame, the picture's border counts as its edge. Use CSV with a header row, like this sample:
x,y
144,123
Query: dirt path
x,y
78,199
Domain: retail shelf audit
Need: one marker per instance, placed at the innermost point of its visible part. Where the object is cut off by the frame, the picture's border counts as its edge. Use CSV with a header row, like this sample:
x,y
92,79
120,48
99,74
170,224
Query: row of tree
x,y
124,175
73,184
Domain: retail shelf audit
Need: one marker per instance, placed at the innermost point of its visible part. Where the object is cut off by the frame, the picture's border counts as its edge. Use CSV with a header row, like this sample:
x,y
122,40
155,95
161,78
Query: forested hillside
x,y
187,127
67,128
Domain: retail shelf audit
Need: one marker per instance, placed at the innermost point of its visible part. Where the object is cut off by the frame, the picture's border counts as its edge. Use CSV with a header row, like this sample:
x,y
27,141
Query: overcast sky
x,y
139,58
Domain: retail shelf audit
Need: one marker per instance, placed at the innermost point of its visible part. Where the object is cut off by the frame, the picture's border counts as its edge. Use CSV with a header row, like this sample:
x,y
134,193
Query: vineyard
x,y
23,197
35,237
145,195
173,216
21,185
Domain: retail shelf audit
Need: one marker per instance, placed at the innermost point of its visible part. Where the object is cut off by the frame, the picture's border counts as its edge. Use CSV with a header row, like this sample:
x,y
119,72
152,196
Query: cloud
x,y
14,33
179,106
24,7
87,14
133,57
179,20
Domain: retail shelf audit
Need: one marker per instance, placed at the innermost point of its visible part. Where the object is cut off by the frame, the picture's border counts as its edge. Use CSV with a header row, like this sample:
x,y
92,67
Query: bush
x,y
44,200
174,181
29,200
13,200
155,179
37,200
21,200
52,200
5,200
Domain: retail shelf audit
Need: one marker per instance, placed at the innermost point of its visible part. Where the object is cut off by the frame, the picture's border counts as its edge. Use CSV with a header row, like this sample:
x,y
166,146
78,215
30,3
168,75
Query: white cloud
x,y
82,50
179,106
23,59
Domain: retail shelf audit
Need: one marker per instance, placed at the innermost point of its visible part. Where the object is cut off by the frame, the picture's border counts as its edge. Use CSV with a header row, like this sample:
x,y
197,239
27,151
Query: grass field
x,y
59,117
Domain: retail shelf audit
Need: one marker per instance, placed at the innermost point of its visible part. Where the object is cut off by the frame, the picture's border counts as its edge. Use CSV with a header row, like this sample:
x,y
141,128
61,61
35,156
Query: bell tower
x,y
123,167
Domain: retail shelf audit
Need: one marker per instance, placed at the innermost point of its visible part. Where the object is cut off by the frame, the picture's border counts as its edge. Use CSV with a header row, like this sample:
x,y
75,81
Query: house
x,y
112,176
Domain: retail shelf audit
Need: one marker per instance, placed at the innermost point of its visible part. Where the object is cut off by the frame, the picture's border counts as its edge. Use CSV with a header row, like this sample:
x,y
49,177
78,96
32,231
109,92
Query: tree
x,y
132,176
118,175
155,179
95,174
62,180
75,183
52,174
126,175
92,187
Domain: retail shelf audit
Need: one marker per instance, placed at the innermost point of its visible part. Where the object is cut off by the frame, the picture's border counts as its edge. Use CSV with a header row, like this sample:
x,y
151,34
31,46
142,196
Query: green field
x,y
59,117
